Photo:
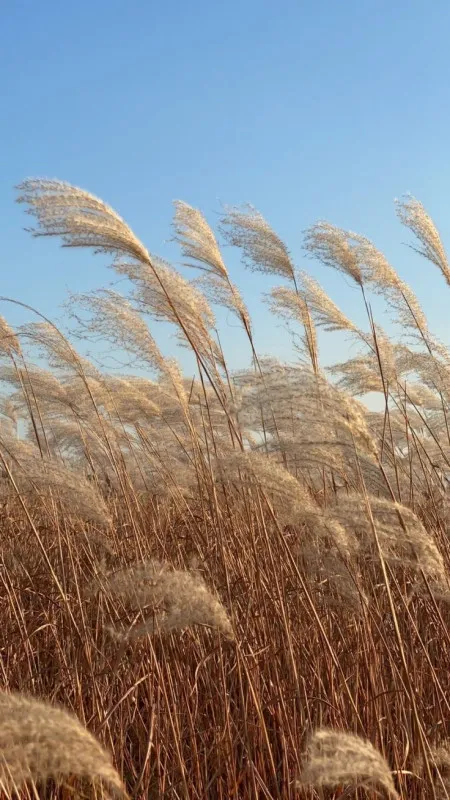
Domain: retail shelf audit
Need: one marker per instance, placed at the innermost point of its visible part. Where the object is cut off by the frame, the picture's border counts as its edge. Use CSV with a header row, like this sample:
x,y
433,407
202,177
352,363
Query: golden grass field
x,y
226,585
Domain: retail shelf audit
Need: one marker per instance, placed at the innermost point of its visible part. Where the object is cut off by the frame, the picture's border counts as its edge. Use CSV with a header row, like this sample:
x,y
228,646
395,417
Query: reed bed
x,y
226,585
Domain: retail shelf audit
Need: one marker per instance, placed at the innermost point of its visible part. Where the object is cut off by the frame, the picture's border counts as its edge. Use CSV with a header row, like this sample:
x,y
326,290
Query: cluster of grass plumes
x,y
207,568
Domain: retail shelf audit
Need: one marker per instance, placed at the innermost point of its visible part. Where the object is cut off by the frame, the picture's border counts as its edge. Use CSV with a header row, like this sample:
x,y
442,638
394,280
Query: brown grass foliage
x,y
238,583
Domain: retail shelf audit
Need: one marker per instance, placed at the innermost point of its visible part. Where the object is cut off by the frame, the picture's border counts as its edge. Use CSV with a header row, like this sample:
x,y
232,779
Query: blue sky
x,y
307,109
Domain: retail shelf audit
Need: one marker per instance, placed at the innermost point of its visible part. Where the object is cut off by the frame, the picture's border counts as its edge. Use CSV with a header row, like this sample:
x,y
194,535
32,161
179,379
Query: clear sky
x,y
307,109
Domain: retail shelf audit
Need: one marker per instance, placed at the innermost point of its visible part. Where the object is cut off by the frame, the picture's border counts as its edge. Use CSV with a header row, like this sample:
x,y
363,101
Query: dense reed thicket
x,y
237,585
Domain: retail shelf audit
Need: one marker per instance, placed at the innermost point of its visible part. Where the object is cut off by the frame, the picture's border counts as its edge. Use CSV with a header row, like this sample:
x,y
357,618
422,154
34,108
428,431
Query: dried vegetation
x,y
237,584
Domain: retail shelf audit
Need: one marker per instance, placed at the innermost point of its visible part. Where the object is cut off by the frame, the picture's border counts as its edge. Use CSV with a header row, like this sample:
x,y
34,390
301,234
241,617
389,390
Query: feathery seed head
x,y
79,218
325,312
9,342
114,317
408,544
197,239
441,768
40,476
413,215
382,277
39,742
253,469
177,599
336,758
263,249
292,304
198,243
335,247
166,295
